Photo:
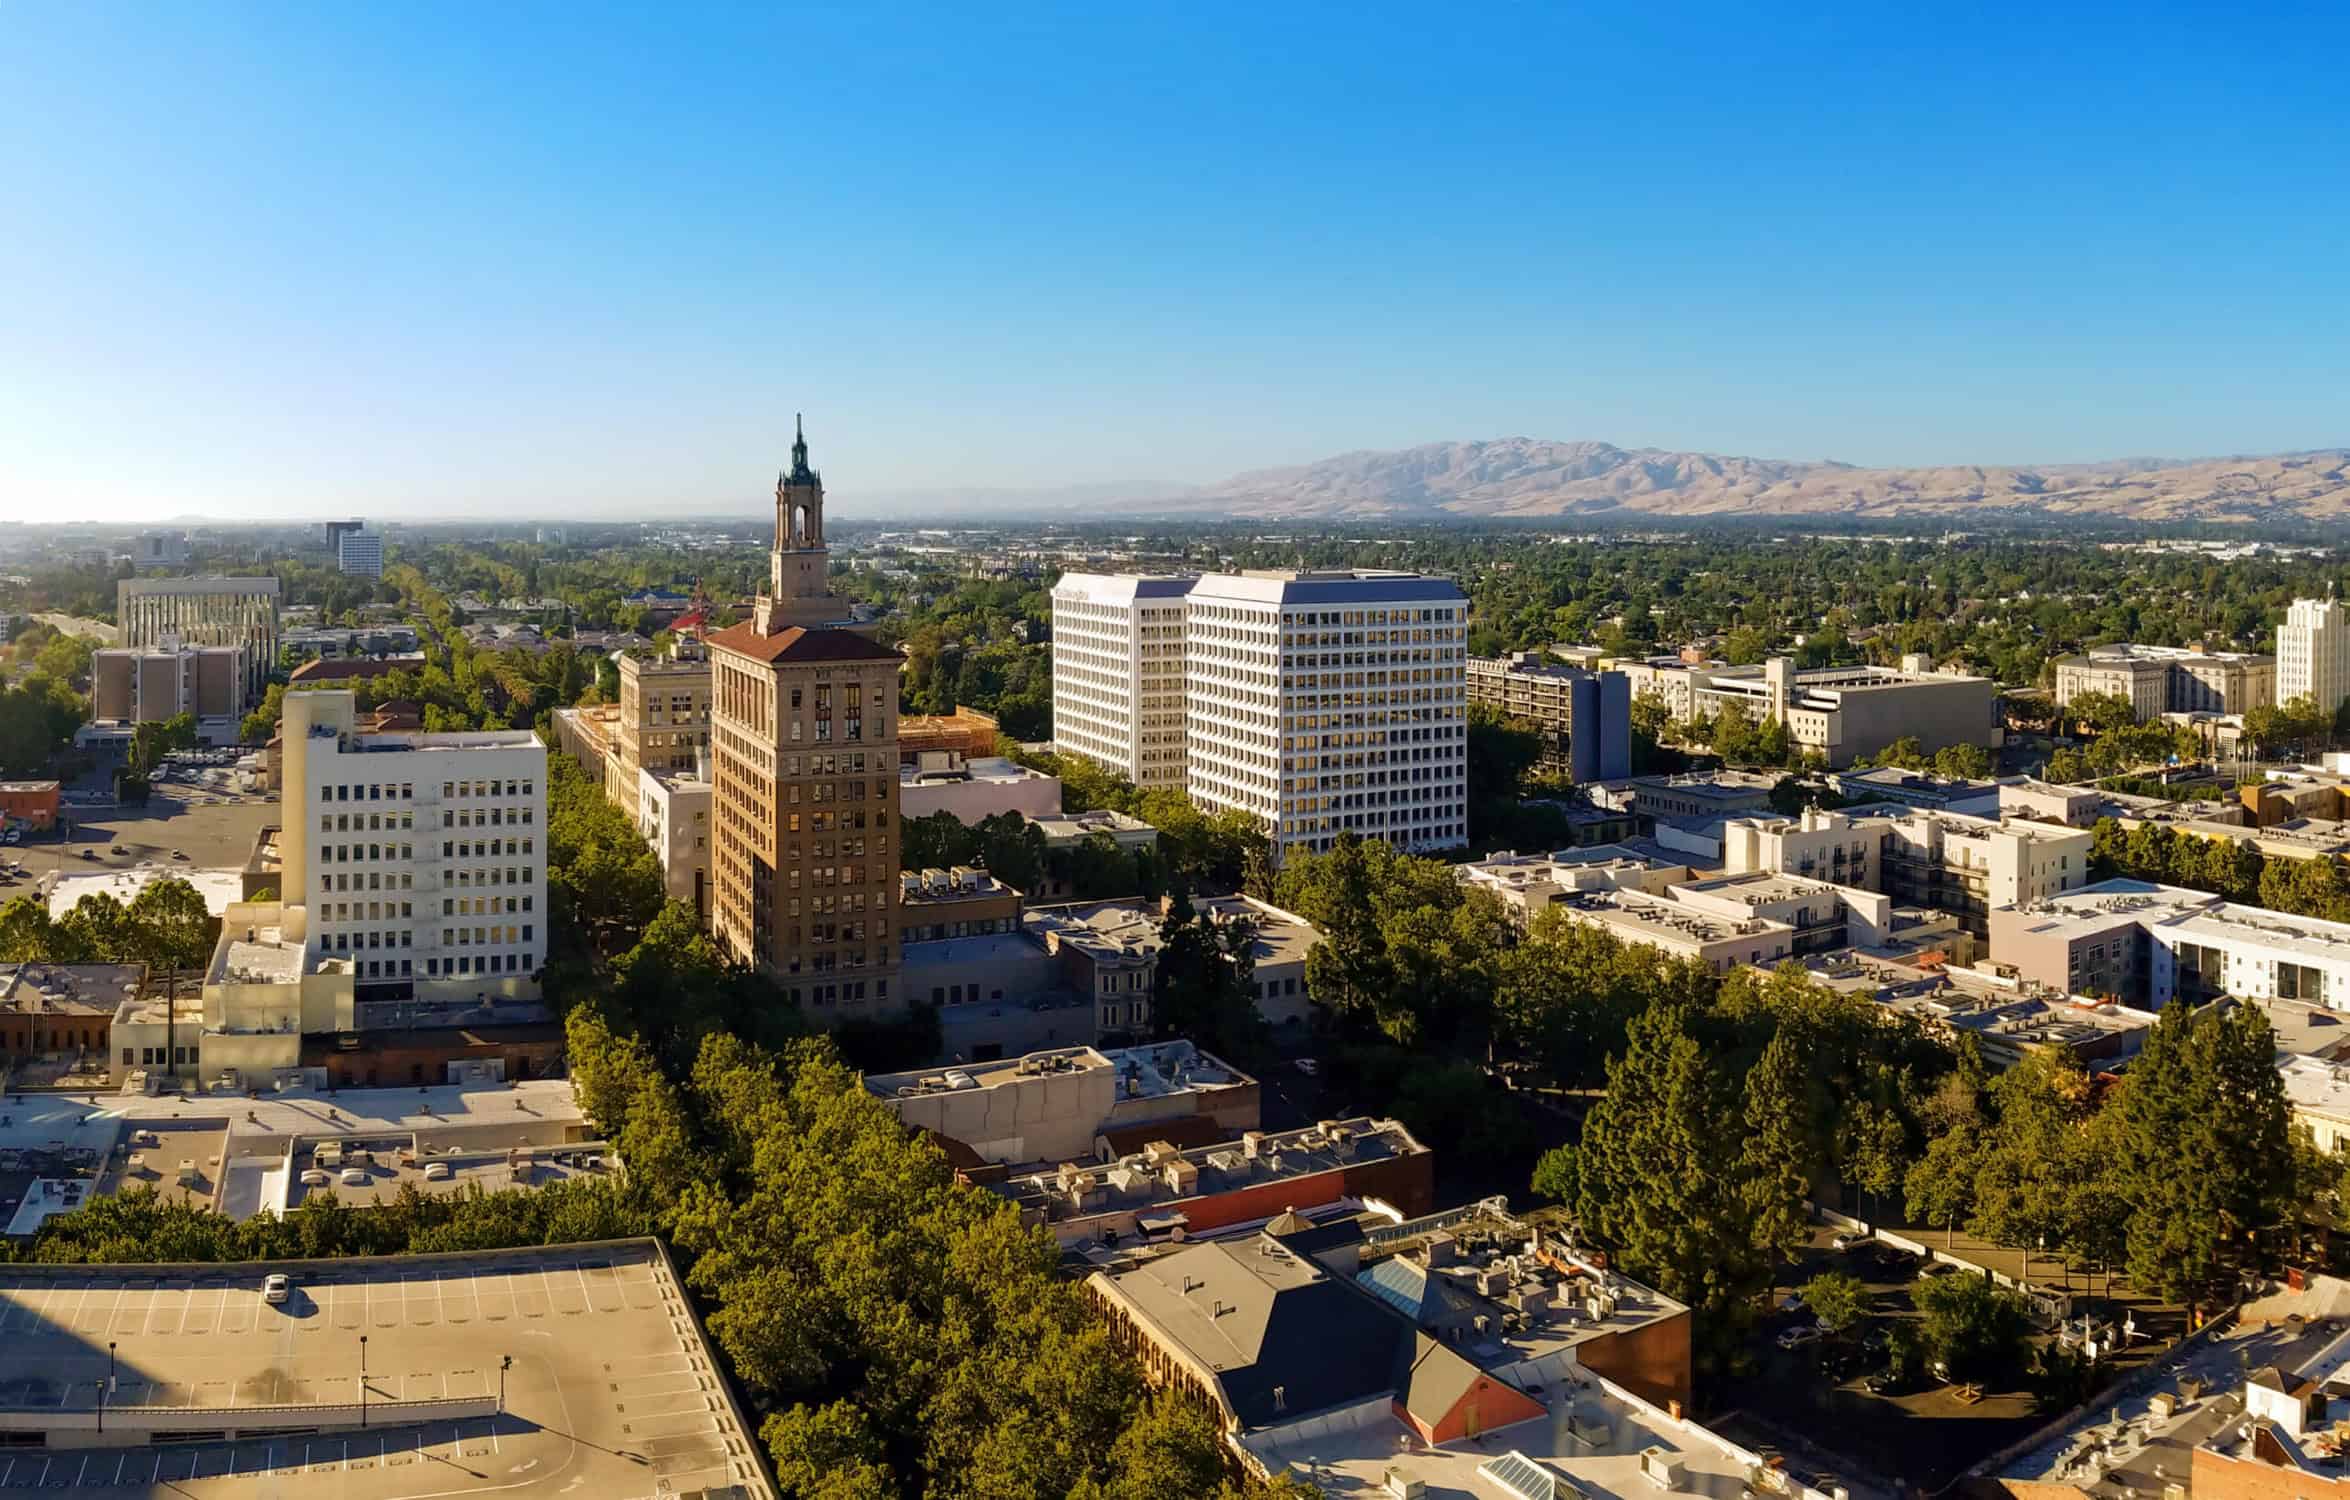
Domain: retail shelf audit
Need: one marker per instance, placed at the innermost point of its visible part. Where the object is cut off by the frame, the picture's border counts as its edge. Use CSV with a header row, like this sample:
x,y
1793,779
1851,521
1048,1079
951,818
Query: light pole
x,y
504,1364
363,1380
109,1389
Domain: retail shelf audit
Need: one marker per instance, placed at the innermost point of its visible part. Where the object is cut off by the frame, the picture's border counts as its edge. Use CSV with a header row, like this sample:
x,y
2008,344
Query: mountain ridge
x,y
1502,478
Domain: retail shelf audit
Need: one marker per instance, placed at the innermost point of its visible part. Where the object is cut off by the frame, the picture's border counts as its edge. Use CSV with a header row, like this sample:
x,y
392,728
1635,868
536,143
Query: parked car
x,y
1309,1067
1797,1337
1848,1241
276,1288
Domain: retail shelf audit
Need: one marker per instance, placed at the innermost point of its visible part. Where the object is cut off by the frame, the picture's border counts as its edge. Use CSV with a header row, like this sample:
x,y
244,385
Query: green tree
x,y
1963,762
1838,1299
1975,1329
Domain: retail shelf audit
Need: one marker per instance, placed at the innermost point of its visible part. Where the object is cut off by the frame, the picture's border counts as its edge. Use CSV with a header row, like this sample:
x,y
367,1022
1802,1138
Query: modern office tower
x,y
239,612
1118,673
2313,654
419,857
1329,702
160,549
664,717
360,552
799,577
804,786
2169,679
1602,739
141,687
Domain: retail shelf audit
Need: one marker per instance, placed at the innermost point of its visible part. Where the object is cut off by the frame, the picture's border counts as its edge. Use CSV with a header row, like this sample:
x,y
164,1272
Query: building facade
x,y
673,815
804,785
133,686
1118,673
1537,689
1840,713
360,553
420,858
2170,679
664,720
799,567
1966,866
1328,703
2148,945
2313,654
238,612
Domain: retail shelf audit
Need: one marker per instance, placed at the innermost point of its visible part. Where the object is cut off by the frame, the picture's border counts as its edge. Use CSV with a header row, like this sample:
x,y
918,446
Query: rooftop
x,y
1164,1181
1075,827
219,888
1326,586
612,1391
980,768
41,989
936,887
799,645
2122,651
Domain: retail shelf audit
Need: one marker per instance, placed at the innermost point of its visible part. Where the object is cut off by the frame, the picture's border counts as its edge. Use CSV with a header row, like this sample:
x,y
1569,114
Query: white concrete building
x,y
2151,944
361,553
419,857
1330,702
940,781
2313,653
673,814
1118,677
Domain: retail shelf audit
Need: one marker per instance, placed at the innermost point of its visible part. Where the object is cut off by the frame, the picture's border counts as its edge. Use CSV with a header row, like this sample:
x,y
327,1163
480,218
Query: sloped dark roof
x,y
1430,1378
800,644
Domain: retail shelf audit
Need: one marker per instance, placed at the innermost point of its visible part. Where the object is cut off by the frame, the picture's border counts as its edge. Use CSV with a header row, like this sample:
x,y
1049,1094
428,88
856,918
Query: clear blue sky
x,y
574,259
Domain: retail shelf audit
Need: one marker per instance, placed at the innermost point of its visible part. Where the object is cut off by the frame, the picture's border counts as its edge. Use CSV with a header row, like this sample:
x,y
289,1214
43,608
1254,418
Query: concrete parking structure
x,y
612,1390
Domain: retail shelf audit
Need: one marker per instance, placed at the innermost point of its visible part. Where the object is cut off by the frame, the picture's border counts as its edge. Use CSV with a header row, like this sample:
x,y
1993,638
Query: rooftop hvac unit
x,y
1662,1467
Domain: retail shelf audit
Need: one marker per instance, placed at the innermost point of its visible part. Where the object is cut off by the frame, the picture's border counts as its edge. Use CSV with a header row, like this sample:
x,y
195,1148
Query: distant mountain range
x,y
1510,477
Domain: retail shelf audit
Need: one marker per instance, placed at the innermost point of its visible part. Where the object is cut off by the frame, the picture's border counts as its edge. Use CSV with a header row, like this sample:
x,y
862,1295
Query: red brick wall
x,y
1483,1407
1651,1362
37,808
2215,1476
1408,1182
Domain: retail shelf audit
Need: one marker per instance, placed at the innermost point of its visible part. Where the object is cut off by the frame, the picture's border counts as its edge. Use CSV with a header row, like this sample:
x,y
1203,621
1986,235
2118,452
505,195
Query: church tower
x,y
799,586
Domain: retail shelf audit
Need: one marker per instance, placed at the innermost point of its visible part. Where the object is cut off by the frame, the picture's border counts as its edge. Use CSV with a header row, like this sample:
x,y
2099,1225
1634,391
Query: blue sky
x,y
587,260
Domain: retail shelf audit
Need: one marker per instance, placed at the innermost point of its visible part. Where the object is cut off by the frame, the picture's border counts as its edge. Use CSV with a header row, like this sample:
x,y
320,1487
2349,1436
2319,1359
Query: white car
x,y
276,1288
1796,1338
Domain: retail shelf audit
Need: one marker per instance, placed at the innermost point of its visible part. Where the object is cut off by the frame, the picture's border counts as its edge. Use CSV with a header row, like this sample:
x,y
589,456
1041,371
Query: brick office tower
x,y
804,783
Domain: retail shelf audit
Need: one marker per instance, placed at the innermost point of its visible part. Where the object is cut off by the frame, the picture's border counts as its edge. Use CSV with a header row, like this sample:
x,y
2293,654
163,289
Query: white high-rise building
x,y
2313,654
1118,686
419,857
361,552
1330,701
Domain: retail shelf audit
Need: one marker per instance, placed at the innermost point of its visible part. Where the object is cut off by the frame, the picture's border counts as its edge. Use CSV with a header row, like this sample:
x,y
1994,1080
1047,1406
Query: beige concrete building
x,y
1060,1105
664,718
236,612
2170,679
2313,653
1840,712
1949,862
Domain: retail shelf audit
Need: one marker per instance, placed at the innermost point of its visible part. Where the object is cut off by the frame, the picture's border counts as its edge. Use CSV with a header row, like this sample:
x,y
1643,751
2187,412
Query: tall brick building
x,y
804,783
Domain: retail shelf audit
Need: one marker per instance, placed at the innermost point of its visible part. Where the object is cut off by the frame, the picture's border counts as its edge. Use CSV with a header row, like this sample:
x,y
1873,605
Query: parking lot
x,y
214,832
1813,1400
611,1391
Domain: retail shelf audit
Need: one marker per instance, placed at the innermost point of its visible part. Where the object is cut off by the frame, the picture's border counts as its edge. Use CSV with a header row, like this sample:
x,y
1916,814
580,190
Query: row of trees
x,y
166,926
2234,868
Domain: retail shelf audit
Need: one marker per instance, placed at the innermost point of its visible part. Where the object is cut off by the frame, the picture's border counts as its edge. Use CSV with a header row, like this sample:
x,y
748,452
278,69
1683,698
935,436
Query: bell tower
x,y
799,586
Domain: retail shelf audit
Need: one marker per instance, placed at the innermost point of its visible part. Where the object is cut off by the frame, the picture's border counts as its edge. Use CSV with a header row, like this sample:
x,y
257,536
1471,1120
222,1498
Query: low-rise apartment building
x,y
673,814
2148,945
1966,866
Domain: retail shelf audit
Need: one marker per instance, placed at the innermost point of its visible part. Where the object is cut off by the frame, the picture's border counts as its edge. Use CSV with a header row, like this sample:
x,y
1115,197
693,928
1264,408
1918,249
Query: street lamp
x,y
363,1380
109,1388
504,1364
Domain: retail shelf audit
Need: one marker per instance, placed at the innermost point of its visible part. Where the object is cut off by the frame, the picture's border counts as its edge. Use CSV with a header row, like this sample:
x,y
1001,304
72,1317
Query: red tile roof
x,y
800,645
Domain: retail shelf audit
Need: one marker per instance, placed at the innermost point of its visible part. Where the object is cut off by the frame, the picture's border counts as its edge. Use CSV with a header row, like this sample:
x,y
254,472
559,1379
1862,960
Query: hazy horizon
x,y
281,262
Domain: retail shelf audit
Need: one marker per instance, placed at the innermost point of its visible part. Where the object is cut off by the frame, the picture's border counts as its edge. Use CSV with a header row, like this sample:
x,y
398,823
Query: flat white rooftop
x,y
218,887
